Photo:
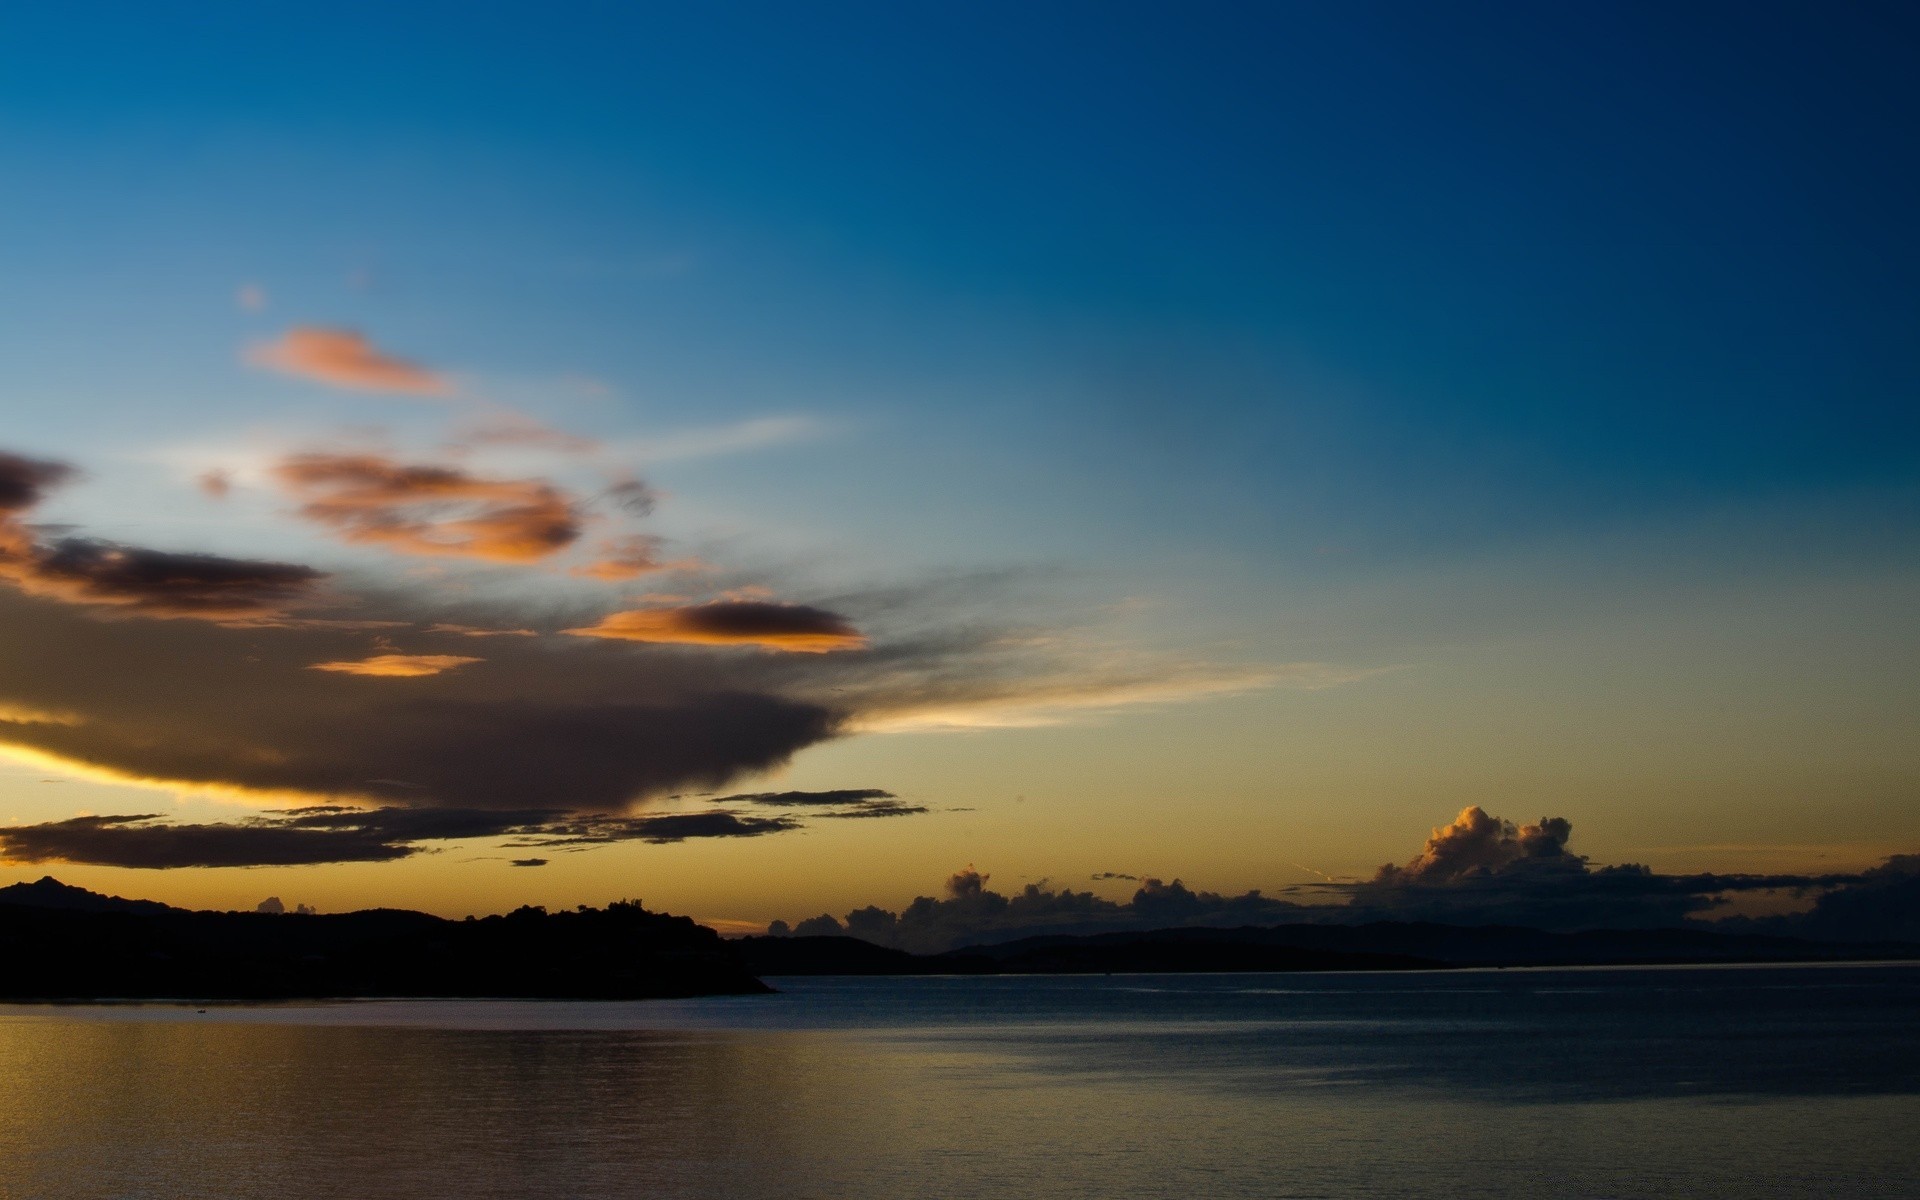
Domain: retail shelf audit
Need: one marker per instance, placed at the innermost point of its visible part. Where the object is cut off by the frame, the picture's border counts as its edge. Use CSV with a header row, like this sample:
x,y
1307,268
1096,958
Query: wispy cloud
x,y
1039,703
712,441
344,358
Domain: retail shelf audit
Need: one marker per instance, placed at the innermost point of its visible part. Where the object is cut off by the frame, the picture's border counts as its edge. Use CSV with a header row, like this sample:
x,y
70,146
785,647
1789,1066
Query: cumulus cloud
x,y
431,510
796,628
397,666
1477,870
972,913
344,358
1477,844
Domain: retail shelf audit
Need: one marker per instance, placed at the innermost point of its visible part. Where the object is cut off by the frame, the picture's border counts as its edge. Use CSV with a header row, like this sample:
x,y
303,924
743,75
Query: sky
x,y
859,444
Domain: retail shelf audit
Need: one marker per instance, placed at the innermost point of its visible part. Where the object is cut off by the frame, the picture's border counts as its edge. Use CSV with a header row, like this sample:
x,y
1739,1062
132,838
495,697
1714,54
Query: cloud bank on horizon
x,y
1476,870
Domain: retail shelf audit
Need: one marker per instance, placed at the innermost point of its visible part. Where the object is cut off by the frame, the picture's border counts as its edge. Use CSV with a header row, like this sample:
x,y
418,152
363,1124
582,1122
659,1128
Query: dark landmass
x,y
64,943
1384,945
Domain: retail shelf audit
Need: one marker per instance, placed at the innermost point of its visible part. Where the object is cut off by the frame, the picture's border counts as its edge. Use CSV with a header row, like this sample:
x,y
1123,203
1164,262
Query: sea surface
x,y
1666,1082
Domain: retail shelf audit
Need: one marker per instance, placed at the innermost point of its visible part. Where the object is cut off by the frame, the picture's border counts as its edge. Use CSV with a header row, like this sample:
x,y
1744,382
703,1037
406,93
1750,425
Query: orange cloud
x,y
431,510
627,558
398,666
797,628
346,359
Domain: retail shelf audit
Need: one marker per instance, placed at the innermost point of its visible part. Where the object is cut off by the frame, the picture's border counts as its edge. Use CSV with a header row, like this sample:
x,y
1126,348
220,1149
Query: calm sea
x,y
1737,1082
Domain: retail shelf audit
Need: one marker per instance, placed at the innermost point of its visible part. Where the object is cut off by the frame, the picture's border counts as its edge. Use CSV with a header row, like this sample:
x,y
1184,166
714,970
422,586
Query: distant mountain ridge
x,y
1383,945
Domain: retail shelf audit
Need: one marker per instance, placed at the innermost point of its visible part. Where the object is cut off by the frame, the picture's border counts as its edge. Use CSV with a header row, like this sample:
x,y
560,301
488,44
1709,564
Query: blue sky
x,y
1272,320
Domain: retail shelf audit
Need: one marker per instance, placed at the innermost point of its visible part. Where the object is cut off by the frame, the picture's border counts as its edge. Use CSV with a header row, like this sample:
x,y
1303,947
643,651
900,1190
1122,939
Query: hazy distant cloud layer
x,y
769,626
345,359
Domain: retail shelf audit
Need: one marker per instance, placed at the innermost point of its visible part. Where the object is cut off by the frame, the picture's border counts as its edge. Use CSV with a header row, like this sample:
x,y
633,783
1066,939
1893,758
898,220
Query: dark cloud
x,y
761,623
1481,870
878,808
809,799
142,841
972,913
24,482
132,579
159,583
336,833
546,724
658,828
1104,875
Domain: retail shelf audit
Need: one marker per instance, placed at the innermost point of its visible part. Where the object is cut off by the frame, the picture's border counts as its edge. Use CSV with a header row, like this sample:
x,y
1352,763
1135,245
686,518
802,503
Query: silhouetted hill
x,y
48,892
76,949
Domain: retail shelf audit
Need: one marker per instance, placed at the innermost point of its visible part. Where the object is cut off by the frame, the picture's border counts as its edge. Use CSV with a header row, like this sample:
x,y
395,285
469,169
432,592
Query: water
x,y
1748,1082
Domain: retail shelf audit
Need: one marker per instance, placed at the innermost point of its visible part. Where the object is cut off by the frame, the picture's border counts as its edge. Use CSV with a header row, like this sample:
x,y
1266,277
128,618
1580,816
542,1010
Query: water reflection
x,y
1702,1083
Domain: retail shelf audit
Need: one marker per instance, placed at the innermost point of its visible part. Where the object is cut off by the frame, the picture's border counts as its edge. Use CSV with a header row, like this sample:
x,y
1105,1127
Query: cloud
x,y
973,913
133,579
878,808
333,833
345,359
659,829
398,666
19,714
834,797
251,297
504,427
1478,870
1479,844
756,434
235,710
141,841
797,628
216,484
431,510
1078,694
624,559
474,631
160,583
